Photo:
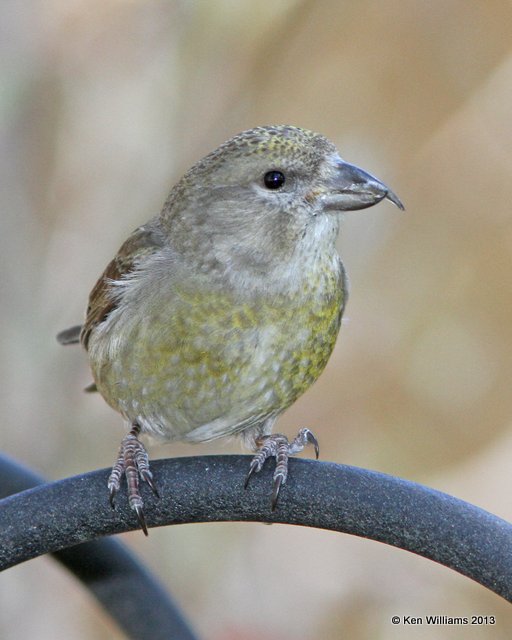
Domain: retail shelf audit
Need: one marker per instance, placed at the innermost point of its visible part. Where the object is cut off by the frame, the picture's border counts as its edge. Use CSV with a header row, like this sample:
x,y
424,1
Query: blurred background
x,y
103,106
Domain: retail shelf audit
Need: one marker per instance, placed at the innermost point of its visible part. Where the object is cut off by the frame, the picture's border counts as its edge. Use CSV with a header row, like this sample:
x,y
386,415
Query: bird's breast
x,y
197,356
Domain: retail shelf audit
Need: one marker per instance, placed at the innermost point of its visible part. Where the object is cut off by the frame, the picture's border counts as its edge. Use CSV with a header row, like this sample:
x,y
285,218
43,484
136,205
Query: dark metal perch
x,y
437,526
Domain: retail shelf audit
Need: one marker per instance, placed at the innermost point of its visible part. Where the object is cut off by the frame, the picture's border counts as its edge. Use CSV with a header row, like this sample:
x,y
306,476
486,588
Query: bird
x,y
218,313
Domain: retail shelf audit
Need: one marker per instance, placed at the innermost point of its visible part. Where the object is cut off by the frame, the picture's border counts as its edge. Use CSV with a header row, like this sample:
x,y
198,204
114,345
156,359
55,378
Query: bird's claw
x,y
311,438
139,510
255,466
277,446
132,461
112,492
147,476
276,487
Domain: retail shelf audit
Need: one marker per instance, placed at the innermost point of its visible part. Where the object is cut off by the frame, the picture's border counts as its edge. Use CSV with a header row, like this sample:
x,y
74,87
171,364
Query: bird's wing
x,y
143,242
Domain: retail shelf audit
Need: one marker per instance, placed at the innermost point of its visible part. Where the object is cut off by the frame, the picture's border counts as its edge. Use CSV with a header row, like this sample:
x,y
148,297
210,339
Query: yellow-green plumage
x,y
220,360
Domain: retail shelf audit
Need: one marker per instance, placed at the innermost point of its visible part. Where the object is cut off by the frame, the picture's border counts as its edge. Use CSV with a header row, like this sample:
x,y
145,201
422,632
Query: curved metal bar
x,y
318,494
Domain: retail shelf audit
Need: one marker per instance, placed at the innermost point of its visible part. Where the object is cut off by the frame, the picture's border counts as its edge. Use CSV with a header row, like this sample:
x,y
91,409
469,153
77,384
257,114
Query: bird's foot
x,y
133,462
278,446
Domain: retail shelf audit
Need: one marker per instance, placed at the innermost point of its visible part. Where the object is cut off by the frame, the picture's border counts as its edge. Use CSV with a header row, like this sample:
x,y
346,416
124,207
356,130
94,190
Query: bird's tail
x,y
70,336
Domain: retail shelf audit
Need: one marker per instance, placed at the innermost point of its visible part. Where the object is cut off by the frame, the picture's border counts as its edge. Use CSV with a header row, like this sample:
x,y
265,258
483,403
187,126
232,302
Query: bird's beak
x,y
350,188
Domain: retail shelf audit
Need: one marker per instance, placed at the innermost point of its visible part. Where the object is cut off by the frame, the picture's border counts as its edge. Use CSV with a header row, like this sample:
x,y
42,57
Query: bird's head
x,y
258,193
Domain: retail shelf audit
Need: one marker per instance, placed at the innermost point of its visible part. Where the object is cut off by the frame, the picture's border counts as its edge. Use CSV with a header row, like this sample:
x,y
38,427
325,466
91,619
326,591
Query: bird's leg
x,y
133,461
277,446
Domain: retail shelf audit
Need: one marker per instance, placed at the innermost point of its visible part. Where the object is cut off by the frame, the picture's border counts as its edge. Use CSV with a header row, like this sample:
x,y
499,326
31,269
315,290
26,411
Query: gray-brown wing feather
x,y
144,241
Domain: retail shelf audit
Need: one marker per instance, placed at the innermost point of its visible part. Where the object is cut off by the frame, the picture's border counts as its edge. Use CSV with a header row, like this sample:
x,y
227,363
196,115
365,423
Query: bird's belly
x,y
219,363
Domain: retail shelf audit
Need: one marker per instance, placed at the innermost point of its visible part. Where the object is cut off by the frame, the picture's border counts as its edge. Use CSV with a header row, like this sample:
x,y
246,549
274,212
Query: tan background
x,y
104,104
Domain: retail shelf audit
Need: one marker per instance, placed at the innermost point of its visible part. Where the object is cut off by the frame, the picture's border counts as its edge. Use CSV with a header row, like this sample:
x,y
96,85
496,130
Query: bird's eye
x,y
274,179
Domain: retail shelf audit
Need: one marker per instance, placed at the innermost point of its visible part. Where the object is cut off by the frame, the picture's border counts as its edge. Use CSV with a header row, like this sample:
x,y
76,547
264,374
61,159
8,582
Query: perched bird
x,y
217,314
